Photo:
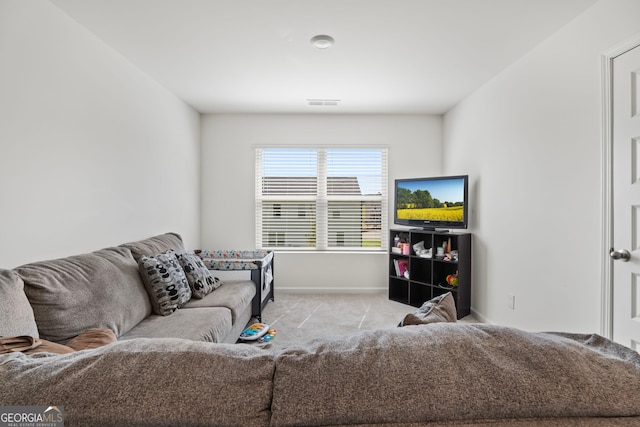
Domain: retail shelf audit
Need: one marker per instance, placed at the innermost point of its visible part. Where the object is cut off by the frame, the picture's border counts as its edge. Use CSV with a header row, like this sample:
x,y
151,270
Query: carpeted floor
x,y
298,317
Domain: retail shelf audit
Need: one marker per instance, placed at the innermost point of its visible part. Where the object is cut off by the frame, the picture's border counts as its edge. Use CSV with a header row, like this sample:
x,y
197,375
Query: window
x,y
321,198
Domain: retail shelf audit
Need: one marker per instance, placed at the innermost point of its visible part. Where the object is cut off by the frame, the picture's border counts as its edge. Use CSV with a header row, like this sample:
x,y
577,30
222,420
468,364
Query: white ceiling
x,y
390,56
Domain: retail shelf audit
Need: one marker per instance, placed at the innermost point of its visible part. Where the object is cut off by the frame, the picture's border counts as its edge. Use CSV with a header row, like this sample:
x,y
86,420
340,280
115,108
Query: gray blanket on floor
x,y
435,374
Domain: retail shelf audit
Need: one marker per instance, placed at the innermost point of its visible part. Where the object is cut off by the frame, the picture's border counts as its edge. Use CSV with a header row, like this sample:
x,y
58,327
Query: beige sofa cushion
x,y
168,382
453,371
203,324
155,245
235,295
102,289
16,314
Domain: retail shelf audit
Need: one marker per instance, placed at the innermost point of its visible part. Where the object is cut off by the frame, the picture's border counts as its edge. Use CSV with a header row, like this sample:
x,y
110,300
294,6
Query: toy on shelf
x,y
452,280
420,250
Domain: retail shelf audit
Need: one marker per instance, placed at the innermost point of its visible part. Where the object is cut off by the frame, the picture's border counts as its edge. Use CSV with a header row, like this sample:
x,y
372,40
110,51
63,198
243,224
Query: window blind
x,y
321,198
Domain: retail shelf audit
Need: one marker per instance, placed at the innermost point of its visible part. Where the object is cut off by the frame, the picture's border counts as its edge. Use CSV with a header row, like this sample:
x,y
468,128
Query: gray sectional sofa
x,y
434,374
442,374
105,289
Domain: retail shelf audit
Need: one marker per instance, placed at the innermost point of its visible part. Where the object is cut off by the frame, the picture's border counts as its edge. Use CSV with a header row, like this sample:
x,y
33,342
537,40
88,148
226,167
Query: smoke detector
x,y
322,41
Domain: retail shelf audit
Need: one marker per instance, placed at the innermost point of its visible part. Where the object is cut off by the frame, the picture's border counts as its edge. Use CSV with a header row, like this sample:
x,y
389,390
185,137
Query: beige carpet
x,y
300,317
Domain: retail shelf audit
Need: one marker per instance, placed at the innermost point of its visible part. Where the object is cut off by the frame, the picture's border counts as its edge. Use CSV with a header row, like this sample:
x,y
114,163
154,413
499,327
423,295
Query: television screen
x,y
438,202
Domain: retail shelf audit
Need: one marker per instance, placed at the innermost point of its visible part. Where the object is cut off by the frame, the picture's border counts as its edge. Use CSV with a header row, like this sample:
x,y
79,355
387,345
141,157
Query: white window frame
x,y
322,201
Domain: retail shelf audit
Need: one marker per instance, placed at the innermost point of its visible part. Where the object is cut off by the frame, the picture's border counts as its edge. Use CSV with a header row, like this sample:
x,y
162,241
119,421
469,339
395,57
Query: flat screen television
x,y
430,203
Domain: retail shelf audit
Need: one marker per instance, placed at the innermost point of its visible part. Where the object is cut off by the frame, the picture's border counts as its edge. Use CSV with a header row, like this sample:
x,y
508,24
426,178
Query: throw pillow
x,y
16,313
101,289
439,309
200,279
165,281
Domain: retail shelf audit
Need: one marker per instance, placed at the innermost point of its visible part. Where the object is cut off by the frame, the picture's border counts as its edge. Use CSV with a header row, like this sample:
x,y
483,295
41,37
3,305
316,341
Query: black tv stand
x,y
427,276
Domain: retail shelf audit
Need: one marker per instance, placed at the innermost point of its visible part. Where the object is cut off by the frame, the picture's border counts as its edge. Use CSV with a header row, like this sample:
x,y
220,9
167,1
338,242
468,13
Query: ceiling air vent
x,y
323,102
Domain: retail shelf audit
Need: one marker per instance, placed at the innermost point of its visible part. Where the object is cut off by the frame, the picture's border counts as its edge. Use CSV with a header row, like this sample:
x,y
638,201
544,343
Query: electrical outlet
x,y
511,301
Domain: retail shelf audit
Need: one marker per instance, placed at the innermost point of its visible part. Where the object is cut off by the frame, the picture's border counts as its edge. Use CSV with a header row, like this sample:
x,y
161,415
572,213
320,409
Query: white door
x,y
626,199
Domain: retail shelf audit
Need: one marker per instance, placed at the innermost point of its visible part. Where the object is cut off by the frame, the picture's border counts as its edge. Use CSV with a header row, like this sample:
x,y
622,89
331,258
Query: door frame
x,y
606,321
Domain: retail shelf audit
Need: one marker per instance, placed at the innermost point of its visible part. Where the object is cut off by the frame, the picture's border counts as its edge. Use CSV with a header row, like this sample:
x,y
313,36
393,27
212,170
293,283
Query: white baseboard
x,y
480,317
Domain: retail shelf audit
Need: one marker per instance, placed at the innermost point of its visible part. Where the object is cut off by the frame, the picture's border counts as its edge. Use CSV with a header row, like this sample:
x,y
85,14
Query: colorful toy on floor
x,y
268,336
254,332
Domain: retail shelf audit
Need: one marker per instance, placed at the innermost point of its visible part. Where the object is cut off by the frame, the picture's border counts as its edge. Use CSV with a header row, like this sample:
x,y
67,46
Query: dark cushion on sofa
x,y
102,289
155,245
16,314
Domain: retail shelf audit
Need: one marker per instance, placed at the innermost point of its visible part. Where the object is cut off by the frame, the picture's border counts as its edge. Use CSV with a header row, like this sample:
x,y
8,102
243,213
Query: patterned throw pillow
x,y
200,279
165,282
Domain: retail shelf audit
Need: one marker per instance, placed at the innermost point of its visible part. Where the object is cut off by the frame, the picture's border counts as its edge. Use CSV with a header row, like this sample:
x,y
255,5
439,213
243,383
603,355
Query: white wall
x,y
228,207
93,152
531,140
